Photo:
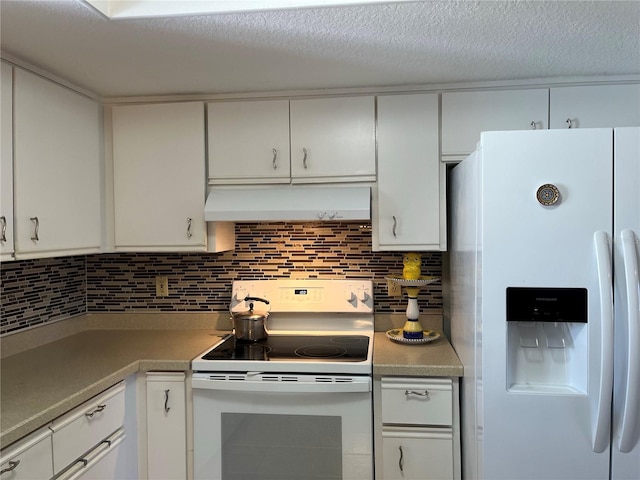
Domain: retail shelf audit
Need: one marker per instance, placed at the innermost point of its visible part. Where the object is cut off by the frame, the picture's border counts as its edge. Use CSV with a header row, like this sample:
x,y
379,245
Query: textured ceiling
x,y
414,43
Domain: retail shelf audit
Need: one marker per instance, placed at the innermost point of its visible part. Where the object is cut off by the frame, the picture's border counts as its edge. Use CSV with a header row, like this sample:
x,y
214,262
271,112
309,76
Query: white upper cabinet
x,y
333,139
595,106
6,163
411,202
57,169
159,177
466,114
248,142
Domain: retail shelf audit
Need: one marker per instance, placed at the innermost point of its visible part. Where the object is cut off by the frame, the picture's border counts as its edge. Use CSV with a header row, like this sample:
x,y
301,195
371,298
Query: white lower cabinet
x,y
29,458
166,426
417,428
417,453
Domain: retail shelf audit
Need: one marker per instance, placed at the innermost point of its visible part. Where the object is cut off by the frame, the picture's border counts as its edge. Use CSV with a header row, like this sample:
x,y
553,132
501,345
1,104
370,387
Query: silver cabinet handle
x,y
534,125
304,158
401,459
36,224
98,409
395,224
413,392
3,235
12,466
274,162
166,401
569,123
189,234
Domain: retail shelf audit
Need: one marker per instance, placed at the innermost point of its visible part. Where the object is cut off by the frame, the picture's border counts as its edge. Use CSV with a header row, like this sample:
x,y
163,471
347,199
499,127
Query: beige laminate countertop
x,y
42,383
434,359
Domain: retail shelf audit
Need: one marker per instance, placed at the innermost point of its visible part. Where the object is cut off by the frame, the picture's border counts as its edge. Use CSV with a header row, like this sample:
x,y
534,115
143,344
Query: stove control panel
x,y
330,296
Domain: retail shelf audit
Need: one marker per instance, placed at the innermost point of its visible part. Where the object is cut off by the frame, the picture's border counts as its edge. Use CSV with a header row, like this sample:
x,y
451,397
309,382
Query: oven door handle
x,y
321,385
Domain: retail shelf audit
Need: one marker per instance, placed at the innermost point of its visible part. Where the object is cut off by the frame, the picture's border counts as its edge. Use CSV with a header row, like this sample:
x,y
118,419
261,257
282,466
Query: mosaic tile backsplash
x,y
125,282
34,292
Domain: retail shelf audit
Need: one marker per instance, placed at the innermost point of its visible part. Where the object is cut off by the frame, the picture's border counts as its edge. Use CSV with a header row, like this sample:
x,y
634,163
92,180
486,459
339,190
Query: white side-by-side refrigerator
x,y
545,241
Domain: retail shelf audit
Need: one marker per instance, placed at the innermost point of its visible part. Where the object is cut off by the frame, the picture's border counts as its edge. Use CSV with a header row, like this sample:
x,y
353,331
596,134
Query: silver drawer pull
x,y
189,234
275,157
98,409
84,461
12,466
3,235
401,459
304,158
395,224
166,401
419,394
36,228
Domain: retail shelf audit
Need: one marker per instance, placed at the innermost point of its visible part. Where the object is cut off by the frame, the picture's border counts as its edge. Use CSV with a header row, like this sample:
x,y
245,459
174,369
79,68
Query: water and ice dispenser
x,y
547,339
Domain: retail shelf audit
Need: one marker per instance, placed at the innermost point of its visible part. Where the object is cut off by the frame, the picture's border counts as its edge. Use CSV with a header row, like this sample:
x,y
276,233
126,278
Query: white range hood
x,y
288,203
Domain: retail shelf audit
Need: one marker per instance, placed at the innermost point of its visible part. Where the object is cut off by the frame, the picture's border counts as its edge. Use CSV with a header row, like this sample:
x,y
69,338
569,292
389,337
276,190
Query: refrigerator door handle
x,y
632,394
601,422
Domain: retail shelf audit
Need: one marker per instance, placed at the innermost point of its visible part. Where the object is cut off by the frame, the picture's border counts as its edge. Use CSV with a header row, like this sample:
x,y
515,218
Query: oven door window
x,y
268,446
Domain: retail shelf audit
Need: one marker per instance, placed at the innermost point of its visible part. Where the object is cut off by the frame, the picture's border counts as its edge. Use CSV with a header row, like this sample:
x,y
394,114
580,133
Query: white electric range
x,y
301,398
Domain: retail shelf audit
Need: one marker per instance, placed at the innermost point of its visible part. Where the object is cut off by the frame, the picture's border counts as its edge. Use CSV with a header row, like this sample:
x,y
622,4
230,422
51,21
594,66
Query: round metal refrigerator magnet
x,y
547,194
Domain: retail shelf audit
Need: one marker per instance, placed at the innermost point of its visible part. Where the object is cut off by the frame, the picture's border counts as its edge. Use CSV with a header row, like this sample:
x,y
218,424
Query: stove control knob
x,y
364,296
350,297
240,295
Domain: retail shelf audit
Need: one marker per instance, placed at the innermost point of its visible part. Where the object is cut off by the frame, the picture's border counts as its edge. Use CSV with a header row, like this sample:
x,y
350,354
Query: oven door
x,y
262,426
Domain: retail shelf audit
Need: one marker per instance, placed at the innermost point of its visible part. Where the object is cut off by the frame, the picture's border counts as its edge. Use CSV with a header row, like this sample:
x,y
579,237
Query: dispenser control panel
x,y
526,304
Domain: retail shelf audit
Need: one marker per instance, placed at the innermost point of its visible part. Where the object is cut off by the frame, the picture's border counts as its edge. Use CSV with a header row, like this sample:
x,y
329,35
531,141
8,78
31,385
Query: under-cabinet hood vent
x,y
293,204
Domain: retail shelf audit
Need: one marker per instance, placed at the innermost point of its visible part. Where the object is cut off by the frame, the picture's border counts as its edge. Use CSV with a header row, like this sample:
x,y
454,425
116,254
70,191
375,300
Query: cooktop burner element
x,y
349,348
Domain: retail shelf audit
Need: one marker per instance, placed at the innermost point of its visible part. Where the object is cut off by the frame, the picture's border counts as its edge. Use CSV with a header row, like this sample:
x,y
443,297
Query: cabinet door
x,y
466,114
333,139
166,426
248,142
417,453
6,162
57,177
595,106
28,458
159,177
411,211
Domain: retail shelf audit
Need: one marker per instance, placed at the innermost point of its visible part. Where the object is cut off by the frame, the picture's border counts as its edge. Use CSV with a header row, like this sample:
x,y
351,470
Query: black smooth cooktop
x,y
338,348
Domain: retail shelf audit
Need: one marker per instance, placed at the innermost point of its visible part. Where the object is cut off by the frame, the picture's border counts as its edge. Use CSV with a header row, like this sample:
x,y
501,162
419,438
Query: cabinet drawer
x,y
411,401
79,430
417,452
101,463
28,458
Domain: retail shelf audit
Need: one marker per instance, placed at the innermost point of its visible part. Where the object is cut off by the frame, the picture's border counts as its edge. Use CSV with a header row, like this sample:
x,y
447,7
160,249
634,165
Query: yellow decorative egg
x,y
412,262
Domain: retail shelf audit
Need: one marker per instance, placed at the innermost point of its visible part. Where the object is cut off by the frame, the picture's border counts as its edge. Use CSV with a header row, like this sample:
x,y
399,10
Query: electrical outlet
x,y
162,286
393,289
